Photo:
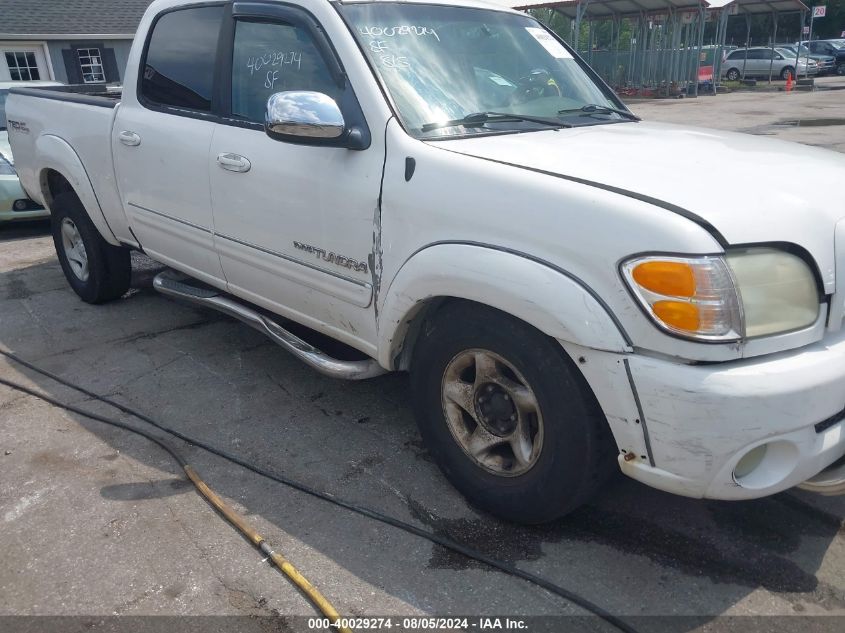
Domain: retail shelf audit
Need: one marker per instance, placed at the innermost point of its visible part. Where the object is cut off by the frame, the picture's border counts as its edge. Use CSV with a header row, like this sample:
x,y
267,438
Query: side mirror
x,y
304,117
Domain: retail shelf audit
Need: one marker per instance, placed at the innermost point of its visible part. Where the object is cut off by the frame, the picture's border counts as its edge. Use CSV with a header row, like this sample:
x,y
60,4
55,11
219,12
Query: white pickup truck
x,y
447,189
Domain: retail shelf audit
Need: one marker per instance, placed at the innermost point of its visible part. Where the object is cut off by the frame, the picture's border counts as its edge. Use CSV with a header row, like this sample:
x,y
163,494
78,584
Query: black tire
x,y
577,453
840,69
109,268
732,74
788,70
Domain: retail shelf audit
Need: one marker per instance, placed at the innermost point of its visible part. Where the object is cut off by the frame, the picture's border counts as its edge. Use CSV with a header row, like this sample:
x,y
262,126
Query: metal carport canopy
x,y
608,8
622,8
759,6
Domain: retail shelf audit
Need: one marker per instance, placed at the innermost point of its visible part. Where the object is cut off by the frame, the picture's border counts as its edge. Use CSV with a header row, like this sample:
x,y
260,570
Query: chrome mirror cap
x,y
304,115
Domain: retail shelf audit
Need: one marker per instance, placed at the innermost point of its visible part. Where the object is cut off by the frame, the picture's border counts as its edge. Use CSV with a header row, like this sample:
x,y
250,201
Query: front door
x,y
162,139
293,223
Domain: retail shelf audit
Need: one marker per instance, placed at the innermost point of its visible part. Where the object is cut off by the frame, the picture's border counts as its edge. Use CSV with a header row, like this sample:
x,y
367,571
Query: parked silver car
x,y
759,62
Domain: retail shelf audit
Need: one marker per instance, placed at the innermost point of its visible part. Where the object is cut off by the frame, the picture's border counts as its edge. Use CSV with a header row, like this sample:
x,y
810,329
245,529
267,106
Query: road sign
x,y
819,12
805,30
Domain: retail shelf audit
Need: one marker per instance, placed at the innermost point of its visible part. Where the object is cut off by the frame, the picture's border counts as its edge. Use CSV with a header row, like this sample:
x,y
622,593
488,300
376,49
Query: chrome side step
x,y
175,285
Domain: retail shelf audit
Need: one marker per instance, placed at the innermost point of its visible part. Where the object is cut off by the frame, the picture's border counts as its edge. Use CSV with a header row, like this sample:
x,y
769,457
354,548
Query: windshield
x,y
444,64
3,95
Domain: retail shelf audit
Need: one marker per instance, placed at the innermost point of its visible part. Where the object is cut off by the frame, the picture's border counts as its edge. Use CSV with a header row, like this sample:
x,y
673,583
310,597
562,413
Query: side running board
x,y
169,283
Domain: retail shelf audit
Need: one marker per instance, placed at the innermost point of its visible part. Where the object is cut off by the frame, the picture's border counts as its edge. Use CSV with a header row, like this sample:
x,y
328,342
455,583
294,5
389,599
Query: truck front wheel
x,y
507,416
96,270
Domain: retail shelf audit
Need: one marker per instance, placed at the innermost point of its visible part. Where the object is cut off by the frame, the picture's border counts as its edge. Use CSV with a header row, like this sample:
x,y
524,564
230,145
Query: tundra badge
x,y
333,258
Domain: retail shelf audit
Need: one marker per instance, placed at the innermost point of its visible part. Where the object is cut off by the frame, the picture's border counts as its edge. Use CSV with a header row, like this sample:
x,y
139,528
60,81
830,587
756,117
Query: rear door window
x,y
178,69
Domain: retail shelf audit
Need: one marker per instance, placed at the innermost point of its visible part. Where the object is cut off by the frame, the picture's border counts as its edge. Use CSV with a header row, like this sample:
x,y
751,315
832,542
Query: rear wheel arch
x,y
53,183
61,170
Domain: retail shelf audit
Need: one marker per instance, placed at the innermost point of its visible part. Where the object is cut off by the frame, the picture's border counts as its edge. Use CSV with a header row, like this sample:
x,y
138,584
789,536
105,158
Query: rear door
x,y
758,62
161,142
294,223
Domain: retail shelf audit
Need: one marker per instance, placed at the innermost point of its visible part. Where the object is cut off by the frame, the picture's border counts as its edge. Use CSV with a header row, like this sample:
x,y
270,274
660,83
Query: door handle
x,y
129,138
234,162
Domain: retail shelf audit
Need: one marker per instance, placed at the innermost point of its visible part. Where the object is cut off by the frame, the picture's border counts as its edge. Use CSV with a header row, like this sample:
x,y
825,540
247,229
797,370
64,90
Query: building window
x,y
91,63
22,66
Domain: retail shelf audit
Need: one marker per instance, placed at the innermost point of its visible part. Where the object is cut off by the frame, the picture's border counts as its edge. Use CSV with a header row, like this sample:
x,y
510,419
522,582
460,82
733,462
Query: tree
x,y
833,24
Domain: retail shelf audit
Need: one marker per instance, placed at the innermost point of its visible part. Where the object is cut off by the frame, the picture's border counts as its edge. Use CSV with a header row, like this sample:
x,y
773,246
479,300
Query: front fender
x,y
555,302
53,152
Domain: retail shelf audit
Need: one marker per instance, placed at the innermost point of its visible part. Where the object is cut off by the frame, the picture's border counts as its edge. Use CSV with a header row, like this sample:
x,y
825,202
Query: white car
x,y
14,203
448,189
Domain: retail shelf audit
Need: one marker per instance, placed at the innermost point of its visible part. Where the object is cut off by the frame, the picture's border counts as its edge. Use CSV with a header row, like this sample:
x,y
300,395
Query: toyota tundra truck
x,y
446,188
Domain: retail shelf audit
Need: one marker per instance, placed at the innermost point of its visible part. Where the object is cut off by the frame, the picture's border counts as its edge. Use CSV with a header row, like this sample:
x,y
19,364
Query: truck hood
x,y
749,188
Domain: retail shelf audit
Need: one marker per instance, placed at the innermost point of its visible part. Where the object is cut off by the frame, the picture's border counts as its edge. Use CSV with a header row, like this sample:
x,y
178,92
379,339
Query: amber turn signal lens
x,y
678,314
674,279
694,297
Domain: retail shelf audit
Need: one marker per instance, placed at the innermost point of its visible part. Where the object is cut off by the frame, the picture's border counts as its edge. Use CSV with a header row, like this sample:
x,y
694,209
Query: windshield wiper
x,y
480,118
592,108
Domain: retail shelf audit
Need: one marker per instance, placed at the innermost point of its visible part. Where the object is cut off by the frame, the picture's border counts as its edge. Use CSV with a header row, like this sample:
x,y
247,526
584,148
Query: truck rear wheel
x,y
96,270
508,417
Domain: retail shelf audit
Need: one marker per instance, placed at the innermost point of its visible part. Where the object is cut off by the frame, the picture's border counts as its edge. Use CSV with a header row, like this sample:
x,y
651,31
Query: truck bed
x,y
89,94
69,129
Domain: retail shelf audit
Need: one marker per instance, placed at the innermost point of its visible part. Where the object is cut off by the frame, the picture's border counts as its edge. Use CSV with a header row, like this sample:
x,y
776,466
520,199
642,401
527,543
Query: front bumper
x,y
701,420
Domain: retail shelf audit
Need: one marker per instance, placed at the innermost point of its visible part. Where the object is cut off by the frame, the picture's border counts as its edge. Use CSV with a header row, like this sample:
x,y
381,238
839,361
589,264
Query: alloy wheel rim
x,y
492,412
74,248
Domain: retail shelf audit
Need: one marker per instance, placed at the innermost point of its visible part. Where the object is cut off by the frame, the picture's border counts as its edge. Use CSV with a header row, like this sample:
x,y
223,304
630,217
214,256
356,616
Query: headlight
x,y
746,293
777,289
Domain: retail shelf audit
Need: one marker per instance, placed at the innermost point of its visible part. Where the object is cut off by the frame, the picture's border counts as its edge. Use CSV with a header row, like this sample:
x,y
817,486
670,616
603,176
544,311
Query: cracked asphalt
x,y
96,522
